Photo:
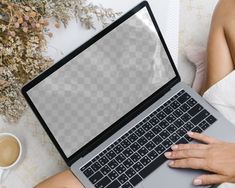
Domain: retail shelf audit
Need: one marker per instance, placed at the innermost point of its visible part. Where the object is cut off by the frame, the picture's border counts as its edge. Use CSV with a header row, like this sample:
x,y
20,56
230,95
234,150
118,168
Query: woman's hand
x,y
214,156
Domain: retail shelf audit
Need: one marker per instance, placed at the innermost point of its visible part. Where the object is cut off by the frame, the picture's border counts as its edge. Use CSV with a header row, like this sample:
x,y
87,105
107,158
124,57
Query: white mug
x,y
5,168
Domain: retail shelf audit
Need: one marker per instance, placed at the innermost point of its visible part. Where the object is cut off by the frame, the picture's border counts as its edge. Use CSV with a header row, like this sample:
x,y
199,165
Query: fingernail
x,y
167,154
171,163
190,133
197,182
174,147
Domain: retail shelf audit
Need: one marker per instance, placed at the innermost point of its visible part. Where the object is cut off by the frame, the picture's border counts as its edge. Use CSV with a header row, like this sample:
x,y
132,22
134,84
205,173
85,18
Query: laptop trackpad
x,y
167,177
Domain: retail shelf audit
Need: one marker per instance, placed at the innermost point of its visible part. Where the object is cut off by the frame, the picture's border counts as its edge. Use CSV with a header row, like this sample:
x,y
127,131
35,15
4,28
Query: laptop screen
x,y
103,83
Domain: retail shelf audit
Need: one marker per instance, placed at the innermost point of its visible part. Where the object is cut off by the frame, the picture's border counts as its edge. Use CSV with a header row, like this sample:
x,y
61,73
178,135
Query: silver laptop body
x,y
112,86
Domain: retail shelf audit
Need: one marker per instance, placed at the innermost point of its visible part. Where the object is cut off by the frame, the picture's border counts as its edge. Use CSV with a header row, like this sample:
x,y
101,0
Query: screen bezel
x,y
123,120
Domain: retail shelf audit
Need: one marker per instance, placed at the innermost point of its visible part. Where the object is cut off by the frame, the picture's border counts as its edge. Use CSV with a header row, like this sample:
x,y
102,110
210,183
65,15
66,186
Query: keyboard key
x,y
167,143
127,185
178,123
161,115
123,178
96,166
154,121
135,146
114,184
118,149
211,119
147,126
110,155
191,102
152,166
163,124
105,170
133,137
149,135
128,163
157,129
138,166
125,135
135,157
142,141
180,93
204,125
120,169
199,117
130,172
88,172
182,141
103,183
168,110
157,140
183,98
127,152
189,139
113,175
152,155
197,130
188,126
186,117
145,160
181,131
171,128
86,166
112,164
175,104
184,107
195,110
142,151
135,180
103,160
177,113
96,177
139,132
159,149
120,158
125,143
164,134
170,118
150,145
174,137
110,147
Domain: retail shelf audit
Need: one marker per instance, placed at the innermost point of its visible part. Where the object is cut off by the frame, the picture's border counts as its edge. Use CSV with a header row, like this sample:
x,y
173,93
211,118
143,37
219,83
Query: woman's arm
x,y
64,179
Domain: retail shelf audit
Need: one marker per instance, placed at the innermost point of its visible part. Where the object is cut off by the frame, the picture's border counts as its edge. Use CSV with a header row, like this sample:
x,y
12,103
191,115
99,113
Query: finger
x,y
182,154
210,179
189,146
193,163
203,138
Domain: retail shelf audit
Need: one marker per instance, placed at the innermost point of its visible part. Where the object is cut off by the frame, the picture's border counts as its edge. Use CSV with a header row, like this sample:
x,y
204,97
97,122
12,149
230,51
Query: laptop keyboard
x,y
135,155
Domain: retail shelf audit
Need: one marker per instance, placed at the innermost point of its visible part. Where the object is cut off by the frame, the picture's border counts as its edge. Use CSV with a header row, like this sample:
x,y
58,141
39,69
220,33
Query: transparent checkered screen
x,y
104,82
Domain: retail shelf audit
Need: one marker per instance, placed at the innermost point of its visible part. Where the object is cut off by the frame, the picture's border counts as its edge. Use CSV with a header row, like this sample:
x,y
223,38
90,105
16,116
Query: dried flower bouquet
x,y
23,39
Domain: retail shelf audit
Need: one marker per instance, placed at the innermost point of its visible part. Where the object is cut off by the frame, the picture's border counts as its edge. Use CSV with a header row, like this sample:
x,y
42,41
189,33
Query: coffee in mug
x,y
9,150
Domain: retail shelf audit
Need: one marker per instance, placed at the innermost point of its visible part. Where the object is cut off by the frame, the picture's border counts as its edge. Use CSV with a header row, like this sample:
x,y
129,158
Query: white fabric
x,y
221,96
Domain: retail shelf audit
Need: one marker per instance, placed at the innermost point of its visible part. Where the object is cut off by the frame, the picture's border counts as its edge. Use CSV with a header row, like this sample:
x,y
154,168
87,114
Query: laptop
x,y
116,104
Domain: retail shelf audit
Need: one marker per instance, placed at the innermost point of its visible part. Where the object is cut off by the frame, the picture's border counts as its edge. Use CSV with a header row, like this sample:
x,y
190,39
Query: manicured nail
x,y
167,154
174,147
171,163
190,133
197,182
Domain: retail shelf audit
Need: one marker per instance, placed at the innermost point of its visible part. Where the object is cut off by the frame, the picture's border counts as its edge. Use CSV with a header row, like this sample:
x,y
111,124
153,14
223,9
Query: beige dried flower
x,y
22,42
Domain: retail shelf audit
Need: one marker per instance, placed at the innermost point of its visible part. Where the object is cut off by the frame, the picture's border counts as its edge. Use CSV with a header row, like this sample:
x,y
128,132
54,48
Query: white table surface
x,y
41,159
